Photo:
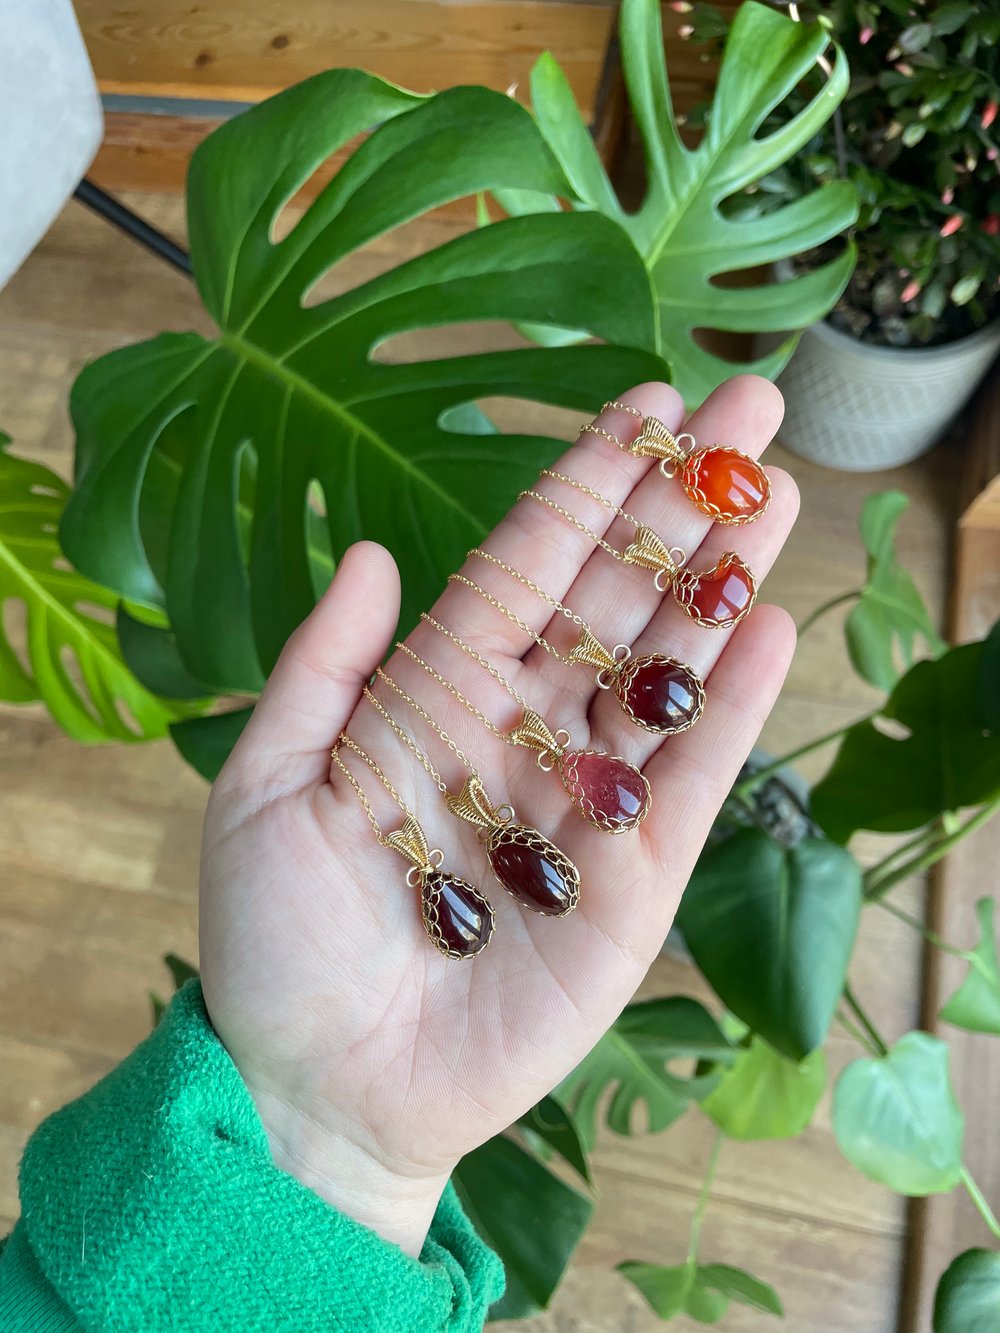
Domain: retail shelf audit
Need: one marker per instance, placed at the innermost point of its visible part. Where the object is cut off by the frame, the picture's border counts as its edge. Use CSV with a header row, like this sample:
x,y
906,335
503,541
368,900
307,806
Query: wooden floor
x,y
99,854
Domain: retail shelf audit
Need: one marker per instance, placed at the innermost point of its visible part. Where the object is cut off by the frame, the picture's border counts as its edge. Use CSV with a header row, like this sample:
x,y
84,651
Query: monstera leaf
x,y
71,660
681,229
221,479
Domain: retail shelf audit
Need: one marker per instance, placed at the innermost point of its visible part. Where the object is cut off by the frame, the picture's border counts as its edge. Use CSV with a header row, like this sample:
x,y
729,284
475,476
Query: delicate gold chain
x,y
344,739
422,712
577,523
442,680
523,578
594,495
515,619
497,675
407,740
590,429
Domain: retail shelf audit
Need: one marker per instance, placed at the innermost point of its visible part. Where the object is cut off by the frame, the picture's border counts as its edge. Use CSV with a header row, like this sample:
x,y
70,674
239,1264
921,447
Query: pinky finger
x,y
692,774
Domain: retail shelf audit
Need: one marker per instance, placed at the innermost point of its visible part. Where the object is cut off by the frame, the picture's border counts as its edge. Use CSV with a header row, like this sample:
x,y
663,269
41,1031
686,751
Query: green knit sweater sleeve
x,y
152,1203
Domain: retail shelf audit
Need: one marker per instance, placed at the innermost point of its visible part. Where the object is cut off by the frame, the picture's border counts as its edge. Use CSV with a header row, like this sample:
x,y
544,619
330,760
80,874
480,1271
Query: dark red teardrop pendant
x,y
660,693
720,597
610,793
725,484
457,917
533,870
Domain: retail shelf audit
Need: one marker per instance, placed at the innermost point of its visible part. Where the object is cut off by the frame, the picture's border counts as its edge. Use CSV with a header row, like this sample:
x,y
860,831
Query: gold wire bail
x,y
475,807
534,733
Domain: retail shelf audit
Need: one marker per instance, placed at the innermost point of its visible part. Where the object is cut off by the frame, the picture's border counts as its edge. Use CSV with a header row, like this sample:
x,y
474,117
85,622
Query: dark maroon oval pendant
x,y
533,870
457,917
610,793
660,693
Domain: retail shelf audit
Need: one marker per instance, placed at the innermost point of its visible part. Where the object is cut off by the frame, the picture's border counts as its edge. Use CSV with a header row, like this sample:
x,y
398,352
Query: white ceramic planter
x,y
860,408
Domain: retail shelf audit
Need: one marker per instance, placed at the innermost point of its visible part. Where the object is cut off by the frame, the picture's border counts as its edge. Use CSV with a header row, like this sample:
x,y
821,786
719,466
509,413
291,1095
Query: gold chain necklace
x,y
610,793
531,868
658,693
724,483
716,598
456,916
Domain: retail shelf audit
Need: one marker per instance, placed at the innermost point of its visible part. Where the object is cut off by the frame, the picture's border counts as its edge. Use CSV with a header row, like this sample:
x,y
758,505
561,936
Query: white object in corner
x,y
50,121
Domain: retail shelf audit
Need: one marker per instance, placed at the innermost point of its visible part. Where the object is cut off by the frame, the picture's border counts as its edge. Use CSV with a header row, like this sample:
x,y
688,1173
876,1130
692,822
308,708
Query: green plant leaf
x,y
702,1291
772,928
947,759
976,1004
742,1287
896,1118
180,970
765,1096
550,1121
201,464
988,683
205,742
681,229
968,1295
632,1058
72,661
527,1215
149,648
890,614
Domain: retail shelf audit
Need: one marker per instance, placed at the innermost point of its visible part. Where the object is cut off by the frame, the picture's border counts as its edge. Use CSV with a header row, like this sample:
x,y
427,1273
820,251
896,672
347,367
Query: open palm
x,y
376,1062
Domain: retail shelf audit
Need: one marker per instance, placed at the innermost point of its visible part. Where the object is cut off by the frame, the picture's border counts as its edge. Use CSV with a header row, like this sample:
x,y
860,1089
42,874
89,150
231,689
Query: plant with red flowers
x,y
918,135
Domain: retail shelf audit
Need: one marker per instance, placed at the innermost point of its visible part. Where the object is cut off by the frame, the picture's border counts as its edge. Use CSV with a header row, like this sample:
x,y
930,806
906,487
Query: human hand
x,y
375,1062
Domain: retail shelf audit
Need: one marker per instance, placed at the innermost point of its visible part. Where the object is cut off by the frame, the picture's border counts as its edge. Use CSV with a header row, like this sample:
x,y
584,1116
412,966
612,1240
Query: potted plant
x,y
875,383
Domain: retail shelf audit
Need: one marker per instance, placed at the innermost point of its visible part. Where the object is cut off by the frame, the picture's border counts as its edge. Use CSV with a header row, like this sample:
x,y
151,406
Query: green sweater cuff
x,y
153,1202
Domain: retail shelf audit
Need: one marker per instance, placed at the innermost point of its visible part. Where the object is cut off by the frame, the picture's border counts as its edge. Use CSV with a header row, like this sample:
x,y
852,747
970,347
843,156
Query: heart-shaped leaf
x,y
72,660
222,478
681,228
765,1096
772,929
633,1058
947,759
890,614
896,1118
206,742
702,1291
976,1004
527,1215
968,1296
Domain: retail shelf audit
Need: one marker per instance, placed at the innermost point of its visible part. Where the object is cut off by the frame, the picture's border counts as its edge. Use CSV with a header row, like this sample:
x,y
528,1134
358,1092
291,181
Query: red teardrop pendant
x,y
610,793
660,693
725,484
457,917
717,598
533,870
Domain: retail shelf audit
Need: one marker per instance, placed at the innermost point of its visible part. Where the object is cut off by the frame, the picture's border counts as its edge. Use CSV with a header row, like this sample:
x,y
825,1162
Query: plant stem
x,y
706,1189
921,929
852,1002
754,779
874,890
839,600
859,1036
977,1197
914,844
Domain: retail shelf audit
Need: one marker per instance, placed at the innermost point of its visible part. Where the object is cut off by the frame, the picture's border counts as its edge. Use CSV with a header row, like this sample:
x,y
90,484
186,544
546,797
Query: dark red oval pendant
x,y
533,870
457,917
660,693
725,484
610,793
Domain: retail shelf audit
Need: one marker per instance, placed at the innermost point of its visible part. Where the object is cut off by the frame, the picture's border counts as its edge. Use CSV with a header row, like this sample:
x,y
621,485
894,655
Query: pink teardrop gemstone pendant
x,y
660,693
457,917
717,598
610,793
725,484
533,870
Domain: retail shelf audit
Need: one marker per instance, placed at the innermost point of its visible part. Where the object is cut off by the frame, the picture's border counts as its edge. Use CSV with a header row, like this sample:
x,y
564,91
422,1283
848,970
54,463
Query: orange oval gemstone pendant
x,y
727,485
717,598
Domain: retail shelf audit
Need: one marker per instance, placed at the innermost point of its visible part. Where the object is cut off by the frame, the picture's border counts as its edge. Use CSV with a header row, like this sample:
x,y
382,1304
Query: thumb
x,y
317,681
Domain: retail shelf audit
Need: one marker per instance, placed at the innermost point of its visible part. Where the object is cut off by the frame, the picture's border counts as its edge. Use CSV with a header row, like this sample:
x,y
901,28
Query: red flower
x,y
989,113
952,225
911,290
991,224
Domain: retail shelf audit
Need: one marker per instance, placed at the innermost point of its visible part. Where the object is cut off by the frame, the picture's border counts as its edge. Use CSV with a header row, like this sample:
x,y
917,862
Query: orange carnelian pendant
x,y
717,598
728,486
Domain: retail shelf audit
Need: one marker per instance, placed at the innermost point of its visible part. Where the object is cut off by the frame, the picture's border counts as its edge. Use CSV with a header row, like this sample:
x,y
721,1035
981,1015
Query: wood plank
x,y
245,50
944,1225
